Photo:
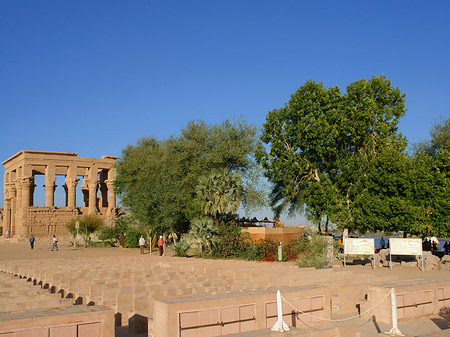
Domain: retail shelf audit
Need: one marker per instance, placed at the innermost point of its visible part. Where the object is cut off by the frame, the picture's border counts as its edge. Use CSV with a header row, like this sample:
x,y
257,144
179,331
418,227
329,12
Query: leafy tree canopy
x,y
322,144
158,179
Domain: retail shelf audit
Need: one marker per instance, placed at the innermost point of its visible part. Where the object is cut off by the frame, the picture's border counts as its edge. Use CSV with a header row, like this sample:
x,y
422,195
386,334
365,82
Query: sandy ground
x,y
21,251
42,250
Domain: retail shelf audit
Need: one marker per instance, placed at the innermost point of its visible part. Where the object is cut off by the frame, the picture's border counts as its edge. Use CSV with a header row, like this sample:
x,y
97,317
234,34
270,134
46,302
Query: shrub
x,y
295,247
181,248
205,233
315,253
262,250
233,243
88,224
132,238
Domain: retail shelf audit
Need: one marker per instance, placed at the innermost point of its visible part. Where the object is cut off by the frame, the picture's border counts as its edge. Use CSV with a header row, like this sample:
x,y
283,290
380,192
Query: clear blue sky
x,y
93,76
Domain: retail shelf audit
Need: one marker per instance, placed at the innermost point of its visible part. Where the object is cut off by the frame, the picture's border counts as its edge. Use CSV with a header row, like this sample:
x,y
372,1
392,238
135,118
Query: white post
x,y
280,252
77,225
394,331
280,326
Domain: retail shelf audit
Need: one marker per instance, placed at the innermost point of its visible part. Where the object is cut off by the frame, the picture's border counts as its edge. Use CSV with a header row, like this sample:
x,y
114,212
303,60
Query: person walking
x,y
161,245
55,243
382,243
142,244
32,240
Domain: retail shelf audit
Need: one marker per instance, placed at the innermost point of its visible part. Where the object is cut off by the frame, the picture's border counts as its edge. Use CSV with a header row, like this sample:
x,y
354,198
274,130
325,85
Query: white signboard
x,y
359,246
405,246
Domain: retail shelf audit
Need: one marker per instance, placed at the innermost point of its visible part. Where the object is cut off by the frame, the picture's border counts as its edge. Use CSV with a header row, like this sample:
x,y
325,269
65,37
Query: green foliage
x,y
88,224
295,247
322,145
233,242
157,179
132,238
219,192
205,233
263,250
181,248
314,253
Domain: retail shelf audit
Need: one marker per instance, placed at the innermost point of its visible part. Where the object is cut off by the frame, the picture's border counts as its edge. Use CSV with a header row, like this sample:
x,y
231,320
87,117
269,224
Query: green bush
x,y
233,243
295,247
315,253
88,224
262,250
181,248
251,252
132,238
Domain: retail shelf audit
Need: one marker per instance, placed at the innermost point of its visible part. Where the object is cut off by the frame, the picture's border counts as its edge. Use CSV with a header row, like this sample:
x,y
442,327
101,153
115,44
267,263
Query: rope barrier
x,y
335,320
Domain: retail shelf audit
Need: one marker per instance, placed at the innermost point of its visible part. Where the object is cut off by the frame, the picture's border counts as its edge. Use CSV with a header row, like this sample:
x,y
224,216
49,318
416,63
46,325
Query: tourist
x,y
161,245
434,252
55,243
7,234
446,248
142,244
32,239
382,243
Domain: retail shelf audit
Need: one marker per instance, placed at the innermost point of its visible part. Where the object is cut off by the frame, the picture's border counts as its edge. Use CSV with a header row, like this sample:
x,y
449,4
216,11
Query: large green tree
x,y
322,144
157,179
431,164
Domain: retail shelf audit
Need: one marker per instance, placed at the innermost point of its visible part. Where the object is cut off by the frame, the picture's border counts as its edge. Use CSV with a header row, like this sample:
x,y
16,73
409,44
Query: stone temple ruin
x,y
94,176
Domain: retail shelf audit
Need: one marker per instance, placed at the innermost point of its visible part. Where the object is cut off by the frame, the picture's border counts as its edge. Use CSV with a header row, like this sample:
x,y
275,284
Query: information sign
x,y
355,246
405,246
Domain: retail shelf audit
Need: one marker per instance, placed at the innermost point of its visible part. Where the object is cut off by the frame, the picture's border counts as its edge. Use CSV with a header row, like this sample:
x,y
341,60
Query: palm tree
x,y
205,232
220,192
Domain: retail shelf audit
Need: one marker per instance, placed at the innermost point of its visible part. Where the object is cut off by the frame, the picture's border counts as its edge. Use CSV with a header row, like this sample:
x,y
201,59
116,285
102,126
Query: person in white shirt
x,y
142,244
55,243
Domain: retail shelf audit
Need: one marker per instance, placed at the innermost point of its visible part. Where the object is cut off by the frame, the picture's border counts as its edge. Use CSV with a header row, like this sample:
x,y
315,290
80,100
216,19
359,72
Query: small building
x,y
276,234
21,218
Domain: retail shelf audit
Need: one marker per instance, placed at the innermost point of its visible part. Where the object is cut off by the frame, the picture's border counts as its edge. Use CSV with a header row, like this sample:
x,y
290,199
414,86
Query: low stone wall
x,y
415,299
221,314
277,235
79,321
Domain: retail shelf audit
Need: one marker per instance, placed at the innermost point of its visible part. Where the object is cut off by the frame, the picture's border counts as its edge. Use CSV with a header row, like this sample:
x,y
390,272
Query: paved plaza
x,y
136,288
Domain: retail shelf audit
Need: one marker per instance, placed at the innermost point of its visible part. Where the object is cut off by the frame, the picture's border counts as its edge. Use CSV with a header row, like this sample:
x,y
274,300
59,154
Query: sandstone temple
x,y
94,177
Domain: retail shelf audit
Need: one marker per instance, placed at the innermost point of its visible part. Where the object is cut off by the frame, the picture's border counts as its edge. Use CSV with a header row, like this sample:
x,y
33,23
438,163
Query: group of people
x,y
161,245
142,243
32,240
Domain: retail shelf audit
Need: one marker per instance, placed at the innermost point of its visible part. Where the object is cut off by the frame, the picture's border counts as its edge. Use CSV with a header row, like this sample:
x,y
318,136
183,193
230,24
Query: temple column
x,y
27,183
18,222
7,216
111,197
49,192
71,184
12,214
7,223
50,186
92,197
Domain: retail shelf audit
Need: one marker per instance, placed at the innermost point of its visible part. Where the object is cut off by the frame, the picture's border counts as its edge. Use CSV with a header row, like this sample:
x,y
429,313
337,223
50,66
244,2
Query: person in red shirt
x,y
161,245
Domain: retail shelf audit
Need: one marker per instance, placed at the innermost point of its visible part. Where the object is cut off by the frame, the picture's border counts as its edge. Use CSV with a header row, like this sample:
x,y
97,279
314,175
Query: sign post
x,y
400,246
77,226
353,246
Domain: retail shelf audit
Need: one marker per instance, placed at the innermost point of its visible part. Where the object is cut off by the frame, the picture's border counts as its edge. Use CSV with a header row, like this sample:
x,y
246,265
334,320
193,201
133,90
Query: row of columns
x,y
19,193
